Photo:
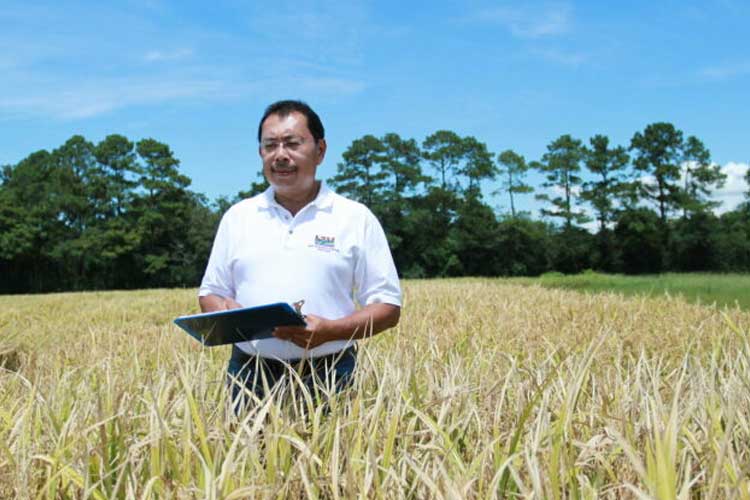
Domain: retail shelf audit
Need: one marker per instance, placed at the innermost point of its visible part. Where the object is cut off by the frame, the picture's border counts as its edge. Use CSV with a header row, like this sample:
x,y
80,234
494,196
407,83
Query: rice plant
x,y
485,390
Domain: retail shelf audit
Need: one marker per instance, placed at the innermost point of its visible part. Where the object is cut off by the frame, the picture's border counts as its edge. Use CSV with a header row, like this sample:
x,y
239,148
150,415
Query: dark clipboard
x,y
239,325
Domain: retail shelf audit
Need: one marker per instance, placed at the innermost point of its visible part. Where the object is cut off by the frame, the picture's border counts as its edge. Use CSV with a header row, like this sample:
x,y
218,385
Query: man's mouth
x,y
283,170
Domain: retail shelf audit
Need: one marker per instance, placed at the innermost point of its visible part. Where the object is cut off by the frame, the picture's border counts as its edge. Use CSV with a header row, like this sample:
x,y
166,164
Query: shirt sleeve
x,y
376,279
217,279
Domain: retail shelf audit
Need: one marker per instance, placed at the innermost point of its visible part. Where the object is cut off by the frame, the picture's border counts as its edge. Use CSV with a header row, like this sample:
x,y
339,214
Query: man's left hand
x,y
315,333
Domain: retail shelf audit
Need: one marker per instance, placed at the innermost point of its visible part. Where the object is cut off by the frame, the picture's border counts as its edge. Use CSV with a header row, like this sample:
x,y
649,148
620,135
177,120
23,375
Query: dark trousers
x,y
246,373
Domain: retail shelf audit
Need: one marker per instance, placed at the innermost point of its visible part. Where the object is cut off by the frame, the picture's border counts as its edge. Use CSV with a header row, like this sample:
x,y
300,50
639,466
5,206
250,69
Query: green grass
x,y
703,288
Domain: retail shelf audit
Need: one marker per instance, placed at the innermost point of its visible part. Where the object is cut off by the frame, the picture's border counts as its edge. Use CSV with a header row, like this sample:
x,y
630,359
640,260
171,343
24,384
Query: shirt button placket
x,y
289,232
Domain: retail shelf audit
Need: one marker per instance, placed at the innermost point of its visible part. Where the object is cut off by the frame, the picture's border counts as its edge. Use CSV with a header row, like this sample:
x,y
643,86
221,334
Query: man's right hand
x,y
213,303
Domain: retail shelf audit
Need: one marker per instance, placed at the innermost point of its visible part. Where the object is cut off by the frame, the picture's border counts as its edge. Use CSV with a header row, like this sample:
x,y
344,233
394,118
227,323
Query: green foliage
x,y
402,165
359,176
524,247
478,164
572,249
663,157
454,156
608,164
444,151
733,241
694,242
427,249
561,165
120,214
512,169
657,154
115,174
677,175
701,176
111,215
161,213
639,241
473,239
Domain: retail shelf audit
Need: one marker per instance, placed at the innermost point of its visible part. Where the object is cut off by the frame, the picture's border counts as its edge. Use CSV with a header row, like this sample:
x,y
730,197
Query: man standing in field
x,y
300,240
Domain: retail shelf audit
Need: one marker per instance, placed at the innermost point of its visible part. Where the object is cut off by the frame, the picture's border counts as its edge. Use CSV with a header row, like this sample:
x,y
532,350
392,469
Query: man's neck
x,y
295,203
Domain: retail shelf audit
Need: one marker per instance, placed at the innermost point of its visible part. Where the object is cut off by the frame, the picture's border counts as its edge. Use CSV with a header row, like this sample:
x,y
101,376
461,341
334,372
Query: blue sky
x,y
513,74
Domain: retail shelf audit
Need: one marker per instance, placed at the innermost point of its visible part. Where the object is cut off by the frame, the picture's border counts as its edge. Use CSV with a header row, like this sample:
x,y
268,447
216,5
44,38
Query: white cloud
x,y
561,57
715,73
173,55
78,101
328,31
556,190
734,189
95,98
726,71
48,77
530,21
731,194
333,85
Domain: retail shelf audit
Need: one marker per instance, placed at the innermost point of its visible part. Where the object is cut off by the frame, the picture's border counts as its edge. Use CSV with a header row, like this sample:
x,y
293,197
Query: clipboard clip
x,y
298,307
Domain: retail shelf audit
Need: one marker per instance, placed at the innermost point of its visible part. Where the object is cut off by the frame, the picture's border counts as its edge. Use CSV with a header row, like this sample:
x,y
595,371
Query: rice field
x,y
486,389
701,288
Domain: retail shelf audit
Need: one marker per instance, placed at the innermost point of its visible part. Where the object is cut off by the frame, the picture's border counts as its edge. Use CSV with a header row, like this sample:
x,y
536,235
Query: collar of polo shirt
x,y
323,200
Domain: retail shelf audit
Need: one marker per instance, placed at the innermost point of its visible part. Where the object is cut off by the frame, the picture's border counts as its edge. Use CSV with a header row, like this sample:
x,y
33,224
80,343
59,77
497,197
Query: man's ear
x,y
322,146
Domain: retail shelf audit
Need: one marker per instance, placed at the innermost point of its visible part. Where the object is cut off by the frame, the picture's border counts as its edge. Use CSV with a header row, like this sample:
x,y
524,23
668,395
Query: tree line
x,y
116,214
119,214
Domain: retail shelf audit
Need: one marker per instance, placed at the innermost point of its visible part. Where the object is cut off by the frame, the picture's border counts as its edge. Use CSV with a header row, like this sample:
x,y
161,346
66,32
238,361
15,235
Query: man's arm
x,y
368,321
212,303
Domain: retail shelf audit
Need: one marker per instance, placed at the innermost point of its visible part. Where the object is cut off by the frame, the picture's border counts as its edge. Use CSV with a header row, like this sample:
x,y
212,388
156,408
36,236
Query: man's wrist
x,y
334,329
329,330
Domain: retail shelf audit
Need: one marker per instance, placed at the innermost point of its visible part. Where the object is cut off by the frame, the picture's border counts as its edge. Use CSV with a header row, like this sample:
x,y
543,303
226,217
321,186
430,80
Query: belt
x,y
238,355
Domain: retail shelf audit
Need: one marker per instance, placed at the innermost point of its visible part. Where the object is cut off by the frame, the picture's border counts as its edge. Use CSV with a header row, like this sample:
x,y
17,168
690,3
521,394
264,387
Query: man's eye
x,y
290,144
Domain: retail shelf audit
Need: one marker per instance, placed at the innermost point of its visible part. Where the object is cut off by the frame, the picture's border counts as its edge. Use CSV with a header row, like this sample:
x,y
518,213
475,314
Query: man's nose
x,y
281,151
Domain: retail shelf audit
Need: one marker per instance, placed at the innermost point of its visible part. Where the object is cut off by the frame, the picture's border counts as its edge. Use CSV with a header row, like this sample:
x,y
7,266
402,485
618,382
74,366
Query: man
x,y
300,241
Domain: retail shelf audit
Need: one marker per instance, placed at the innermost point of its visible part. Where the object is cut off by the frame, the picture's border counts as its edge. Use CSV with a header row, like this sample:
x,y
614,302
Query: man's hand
x,y
307,337
366,322
213,303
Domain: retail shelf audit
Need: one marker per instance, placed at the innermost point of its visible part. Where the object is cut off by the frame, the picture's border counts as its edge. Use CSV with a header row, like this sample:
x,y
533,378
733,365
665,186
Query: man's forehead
x,y
292,123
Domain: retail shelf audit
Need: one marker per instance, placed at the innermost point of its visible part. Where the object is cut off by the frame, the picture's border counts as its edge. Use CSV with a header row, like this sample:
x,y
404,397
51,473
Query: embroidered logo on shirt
x,y
325,243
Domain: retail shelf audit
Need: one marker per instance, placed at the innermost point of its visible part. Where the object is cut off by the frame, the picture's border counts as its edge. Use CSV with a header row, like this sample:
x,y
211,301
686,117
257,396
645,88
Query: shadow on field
x,y
10,358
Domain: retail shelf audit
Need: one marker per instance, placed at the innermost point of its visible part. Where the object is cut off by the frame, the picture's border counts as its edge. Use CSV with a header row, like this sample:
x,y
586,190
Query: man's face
x,y
290,154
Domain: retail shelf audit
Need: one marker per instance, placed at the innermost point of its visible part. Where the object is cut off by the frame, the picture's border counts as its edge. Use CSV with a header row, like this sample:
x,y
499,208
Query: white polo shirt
x,y
333,254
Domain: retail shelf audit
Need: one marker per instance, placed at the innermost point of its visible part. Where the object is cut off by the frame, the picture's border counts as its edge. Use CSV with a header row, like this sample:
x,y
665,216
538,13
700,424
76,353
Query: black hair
x,y
284,108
